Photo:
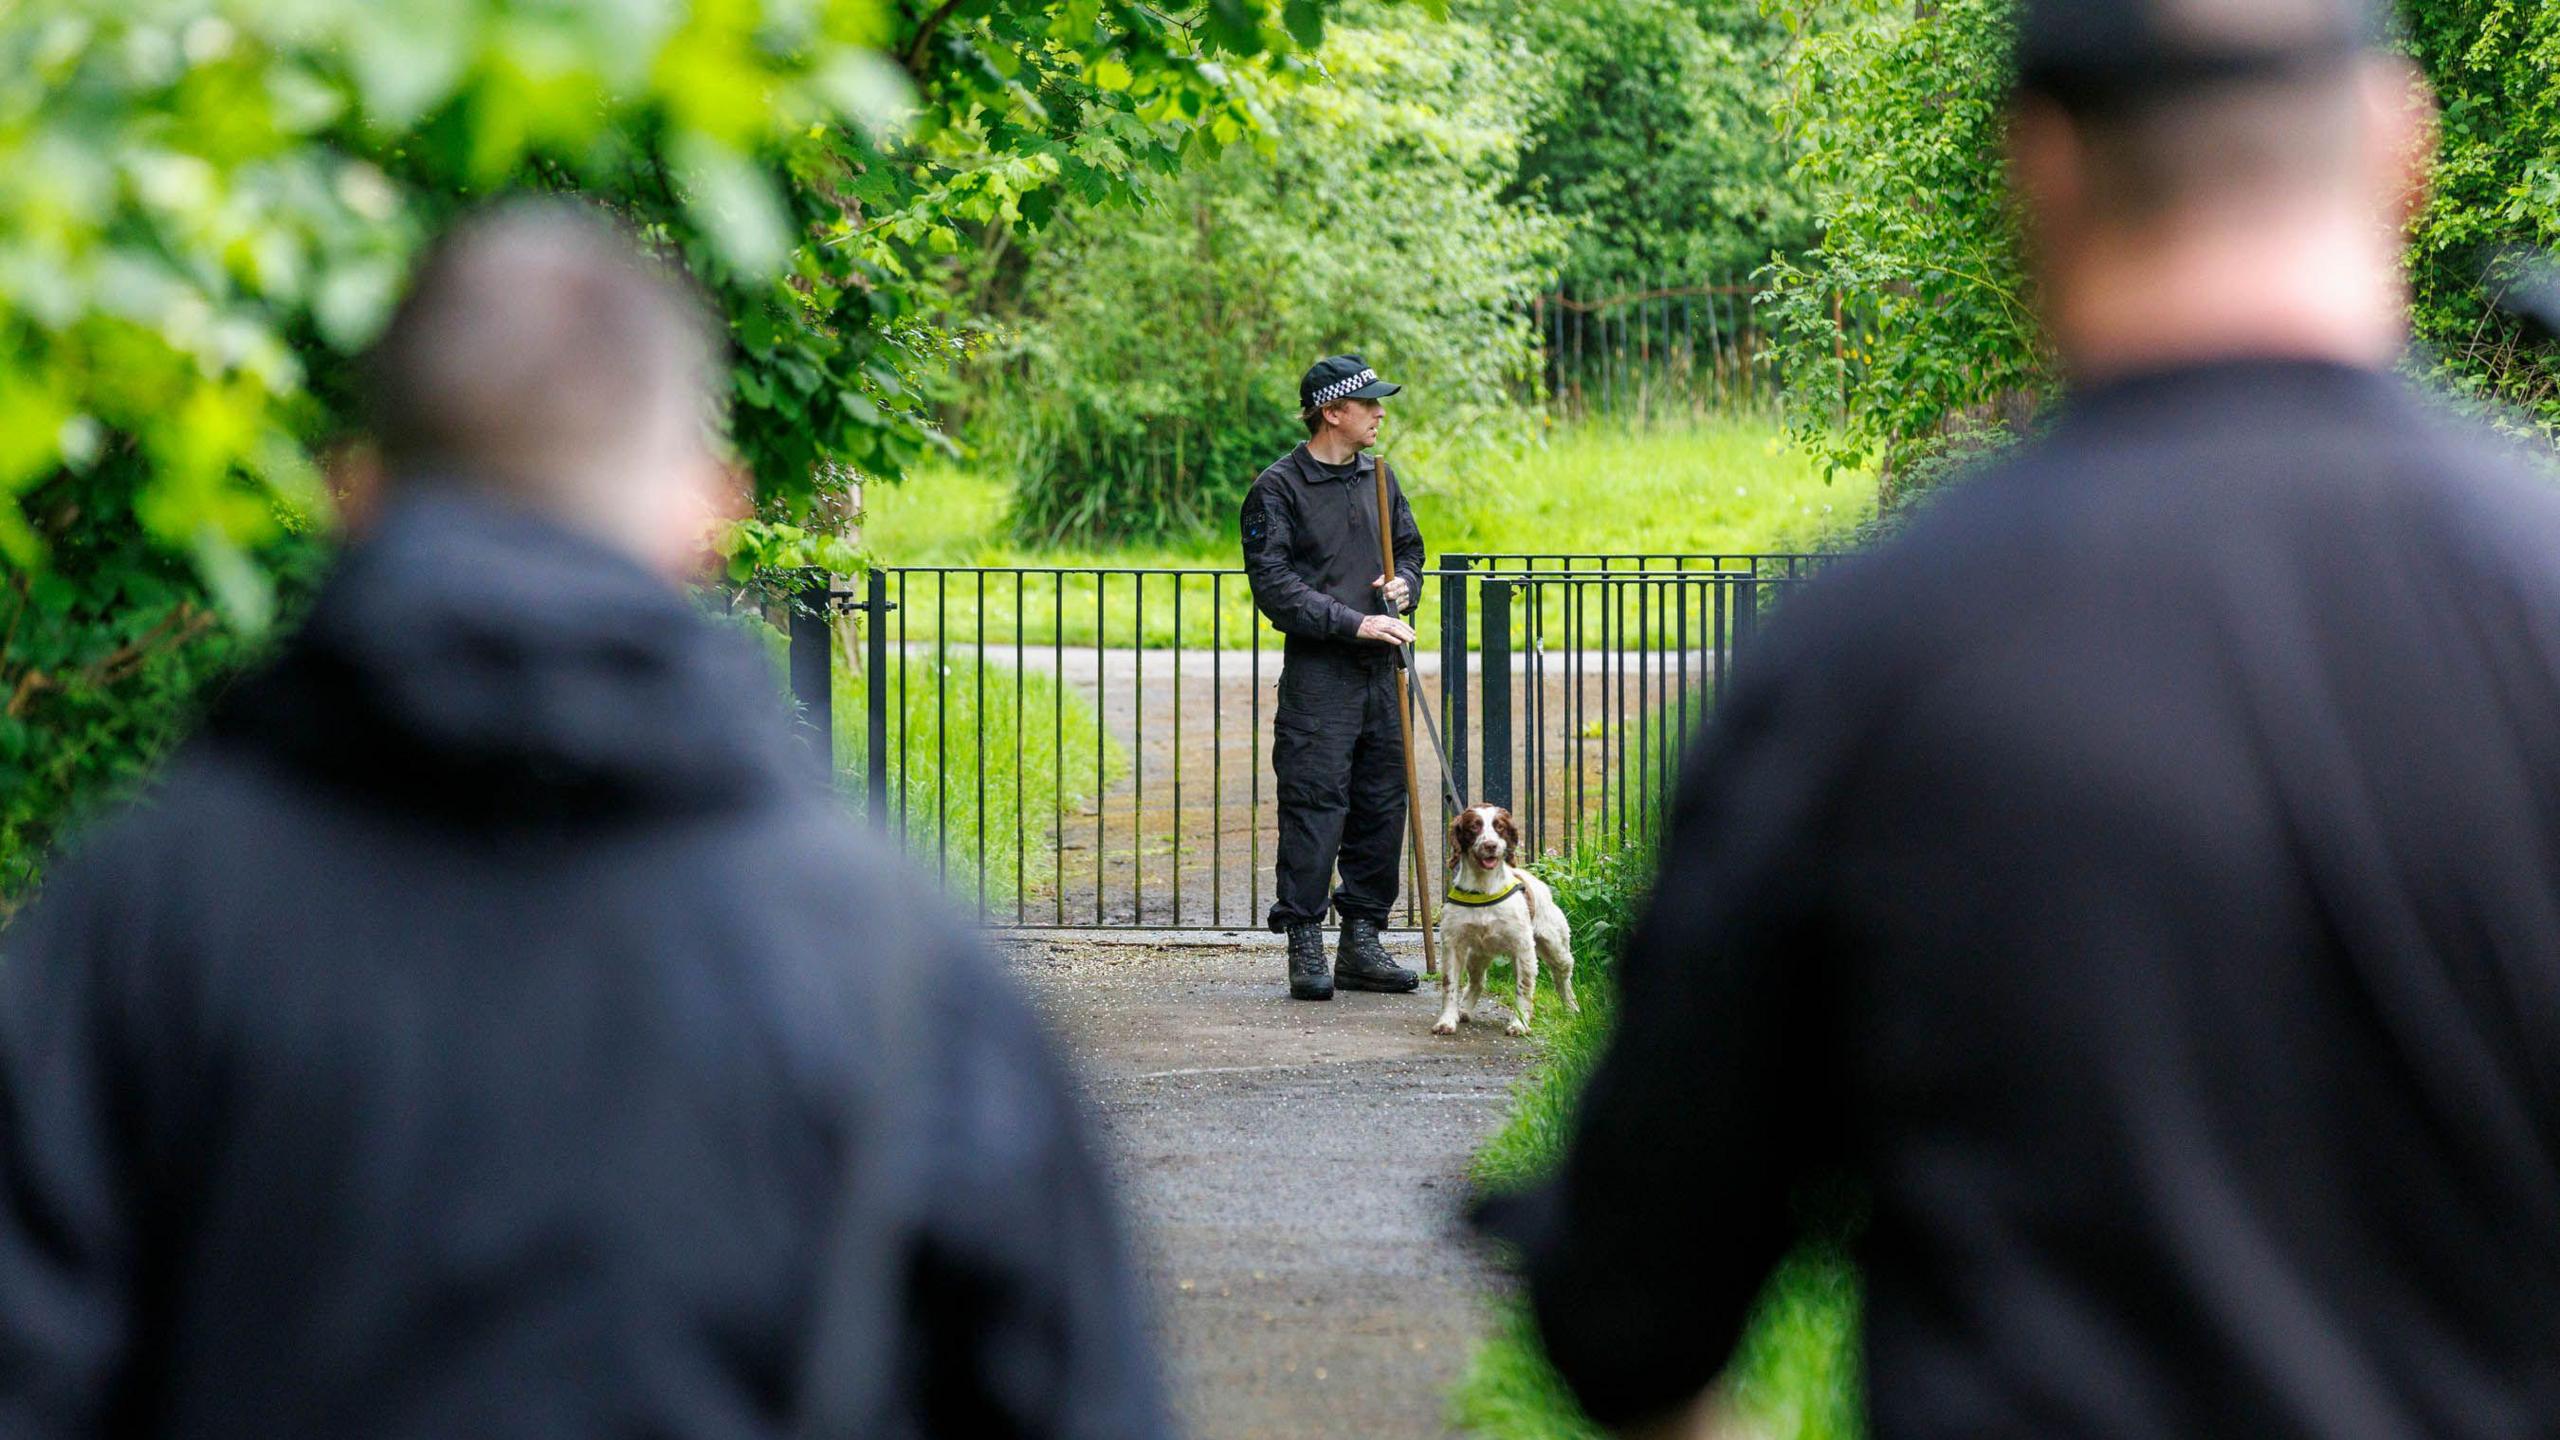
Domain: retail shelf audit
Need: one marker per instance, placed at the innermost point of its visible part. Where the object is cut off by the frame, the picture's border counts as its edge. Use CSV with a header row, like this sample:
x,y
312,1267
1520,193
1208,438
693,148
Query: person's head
x,y
542,357
1339,401
2213,178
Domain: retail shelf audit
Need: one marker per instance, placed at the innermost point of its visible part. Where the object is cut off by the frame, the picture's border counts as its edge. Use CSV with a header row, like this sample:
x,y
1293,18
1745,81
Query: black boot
x,y
1307,977
1361,963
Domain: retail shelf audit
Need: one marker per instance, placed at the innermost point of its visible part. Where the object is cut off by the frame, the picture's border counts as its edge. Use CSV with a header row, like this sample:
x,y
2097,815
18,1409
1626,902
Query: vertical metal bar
x,y
1453,667
1683,641
1021,837
1715,695
980,629
1610,719
1573,593
942,727
1177,749
1494,650
1253,860
875,757
1217,750
1644,705
1537,718
1746,620
812,668
1058,742
1101,735
1618,621
1138,751
906,717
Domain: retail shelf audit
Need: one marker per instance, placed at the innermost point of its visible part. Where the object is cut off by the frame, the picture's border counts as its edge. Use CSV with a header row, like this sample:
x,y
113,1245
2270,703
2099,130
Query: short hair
x,y
539,350
2197,147
1313,418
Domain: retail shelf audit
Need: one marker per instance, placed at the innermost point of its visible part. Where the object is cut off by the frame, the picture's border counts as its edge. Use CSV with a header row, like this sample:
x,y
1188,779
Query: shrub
x,y
1155,364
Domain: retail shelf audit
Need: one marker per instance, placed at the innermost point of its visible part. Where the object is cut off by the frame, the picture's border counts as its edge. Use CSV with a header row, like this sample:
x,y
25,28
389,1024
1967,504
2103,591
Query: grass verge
x,y
967,812
1795,1375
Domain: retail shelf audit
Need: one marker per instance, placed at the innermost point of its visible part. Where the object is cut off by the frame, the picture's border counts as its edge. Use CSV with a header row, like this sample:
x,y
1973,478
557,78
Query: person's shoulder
x,y
1280,474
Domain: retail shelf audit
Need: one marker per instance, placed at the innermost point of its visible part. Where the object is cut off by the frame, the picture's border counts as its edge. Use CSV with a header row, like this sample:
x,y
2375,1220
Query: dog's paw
x,y
1444,1026
1516,1027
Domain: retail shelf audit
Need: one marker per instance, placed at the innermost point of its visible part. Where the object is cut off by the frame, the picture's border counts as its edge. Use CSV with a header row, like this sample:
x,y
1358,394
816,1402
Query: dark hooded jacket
x,y
479,1033
2140,883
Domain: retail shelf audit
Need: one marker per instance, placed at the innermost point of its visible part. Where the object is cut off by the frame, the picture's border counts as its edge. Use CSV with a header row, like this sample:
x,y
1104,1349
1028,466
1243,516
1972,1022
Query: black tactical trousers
x,y
1339,760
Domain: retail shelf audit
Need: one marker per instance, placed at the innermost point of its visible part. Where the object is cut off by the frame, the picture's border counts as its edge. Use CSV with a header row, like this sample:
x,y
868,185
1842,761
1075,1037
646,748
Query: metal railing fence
x,y
1090,746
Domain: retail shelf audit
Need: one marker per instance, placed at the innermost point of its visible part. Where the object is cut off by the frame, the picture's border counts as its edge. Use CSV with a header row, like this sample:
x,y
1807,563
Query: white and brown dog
x,y
1495,910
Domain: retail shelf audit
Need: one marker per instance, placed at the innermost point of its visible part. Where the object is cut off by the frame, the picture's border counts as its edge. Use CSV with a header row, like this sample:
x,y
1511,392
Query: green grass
x,y
1726,486
972,703
1794,1376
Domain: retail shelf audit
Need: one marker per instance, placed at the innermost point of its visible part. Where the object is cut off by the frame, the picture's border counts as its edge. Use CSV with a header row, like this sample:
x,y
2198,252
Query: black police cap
x,y
2093,51
1341,377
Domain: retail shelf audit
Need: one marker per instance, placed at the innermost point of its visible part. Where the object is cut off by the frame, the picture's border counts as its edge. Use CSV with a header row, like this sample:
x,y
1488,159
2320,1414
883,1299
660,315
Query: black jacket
x,y
475,1034
2142,881
1311,549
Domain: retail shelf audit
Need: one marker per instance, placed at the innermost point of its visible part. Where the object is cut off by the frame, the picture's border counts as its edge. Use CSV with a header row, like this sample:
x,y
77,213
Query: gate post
x,y
1494,646
1453,665
875,756
813,669
1746,613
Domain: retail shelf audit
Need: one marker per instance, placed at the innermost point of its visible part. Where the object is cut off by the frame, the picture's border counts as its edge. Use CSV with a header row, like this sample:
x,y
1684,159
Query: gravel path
x,y
1294,1173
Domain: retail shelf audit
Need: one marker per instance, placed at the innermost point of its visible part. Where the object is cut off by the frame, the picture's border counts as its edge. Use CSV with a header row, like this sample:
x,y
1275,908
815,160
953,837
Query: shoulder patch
x,y
1257,521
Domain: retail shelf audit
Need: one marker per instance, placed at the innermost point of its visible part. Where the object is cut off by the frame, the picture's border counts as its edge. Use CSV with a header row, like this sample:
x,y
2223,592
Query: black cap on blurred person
x,y
2093,52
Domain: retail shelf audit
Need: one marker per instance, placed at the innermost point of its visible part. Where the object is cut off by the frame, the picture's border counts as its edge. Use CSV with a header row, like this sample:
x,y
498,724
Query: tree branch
x,y
924,35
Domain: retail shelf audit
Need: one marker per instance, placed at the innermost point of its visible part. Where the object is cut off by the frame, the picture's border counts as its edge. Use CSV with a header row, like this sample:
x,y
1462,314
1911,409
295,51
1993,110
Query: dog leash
x,y
1448,778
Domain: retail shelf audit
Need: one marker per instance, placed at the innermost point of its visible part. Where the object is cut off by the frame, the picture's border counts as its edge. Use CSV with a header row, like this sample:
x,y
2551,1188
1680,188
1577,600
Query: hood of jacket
x,y
472,657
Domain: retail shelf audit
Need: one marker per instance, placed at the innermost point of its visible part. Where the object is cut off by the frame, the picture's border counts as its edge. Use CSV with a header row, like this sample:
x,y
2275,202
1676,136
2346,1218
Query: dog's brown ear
x,y
1462,830
1509,832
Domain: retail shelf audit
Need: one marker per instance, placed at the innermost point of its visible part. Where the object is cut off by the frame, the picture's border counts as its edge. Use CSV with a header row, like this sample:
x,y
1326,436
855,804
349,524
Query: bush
x,y
1658,145
1155,366
1937,349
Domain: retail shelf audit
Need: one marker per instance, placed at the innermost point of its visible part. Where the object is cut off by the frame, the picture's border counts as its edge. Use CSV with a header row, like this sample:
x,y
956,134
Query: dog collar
x,y
1478,898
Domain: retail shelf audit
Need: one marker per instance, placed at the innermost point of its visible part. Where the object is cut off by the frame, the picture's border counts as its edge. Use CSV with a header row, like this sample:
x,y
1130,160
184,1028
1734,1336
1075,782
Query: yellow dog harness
x,y
1477,899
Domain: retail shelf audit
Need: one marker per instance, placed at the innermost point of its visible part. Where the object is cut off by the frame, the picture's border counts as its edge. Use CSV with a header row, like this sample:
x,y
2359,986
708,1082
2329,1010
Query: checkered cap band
x,y
1340,388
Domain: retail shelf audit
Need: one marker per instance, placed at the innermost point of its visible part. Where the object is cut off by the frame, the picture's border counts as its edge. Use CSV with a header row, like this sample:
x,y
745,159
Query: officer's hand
x,y
1399,594
1386,630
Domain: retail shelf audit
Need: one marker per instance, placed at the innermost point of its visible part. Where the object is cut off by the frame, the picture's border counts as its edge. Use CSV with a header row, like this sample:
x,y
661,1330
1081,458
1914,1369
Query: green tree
x,y
1932,350
1157,356
1905,329
207,206
1658,144
2495,65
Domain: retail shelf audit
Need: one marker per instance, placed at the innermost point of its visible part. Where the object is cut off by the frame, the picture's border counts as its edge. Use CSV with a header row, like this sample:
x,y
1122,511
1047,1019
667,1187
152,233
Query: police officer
x,y
2140,882
1310,528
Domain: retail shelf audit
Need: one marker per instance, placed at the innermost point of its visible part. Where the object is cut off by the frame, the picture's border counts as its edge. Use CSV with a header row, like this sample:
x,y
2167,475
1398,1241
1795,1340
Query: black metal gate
x,y
1090,746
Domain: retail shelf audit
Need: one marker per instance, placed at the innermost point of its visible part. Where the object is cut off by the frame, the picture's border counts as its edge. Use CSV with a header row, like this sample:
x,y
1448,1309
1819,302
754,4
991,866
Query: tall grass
x,y
1795,1374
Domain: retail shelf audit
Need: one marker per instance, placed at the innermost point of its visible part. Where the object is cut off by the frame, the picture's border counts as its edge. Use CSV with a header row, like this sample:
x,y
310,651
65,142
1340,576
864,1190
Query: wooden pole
x,y
1404,727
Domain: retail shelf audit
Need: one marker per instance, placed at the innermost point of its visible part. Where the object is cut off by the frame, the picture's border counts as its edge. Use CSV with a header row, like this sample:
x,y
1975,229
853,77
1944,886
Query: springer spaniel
x,y
1495,910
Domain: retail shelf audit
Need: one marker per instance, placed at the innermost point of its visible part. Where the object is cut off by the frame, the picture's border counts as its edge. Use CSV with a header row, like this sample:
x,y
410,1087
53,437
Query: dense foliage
x,y
1658,144
2495,65
1908,324
1159,351
207,206
1900,107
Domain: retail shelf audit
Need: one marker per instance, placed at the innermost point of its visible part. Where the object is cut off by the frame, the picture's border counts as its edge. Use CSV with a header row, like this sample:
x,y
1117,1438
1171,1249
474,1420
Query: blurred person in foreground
x,y
2139,883
484,1030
